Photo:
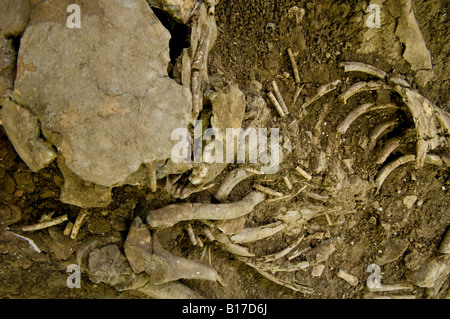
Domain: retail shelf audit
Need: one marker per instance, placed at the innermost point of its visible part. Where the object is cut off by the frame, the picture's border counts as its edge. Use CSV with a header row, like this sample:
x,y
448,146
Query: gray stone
x,y
103,88
14,15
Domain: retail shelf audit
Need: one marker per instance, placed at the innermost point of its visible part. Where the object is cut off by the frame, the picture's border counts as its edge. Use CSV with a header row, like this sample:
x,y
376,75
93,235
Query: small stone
x,y
373,220
351,279
409,201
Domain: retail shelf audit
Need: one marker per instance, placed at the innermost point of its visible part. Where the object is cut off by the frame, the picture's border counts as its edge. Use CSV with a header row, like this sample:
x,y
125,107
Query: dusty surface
x,y
388,228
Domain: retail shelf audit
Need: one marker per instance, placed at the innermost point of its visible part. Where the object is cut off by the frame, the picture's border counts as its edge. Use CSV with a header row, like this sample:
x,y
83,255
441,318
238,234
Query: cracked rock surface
x,y
101,92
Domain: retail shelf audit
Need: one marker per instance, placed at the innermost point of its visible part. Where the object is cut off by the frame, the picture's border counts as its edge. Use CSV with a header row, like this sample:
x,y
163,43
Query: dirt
x,y
251,48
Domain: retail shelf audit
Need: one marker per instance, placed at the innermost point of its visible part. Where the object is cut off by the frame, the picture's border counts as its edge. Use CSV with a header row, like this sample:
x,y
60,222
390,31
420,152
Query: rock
x,y
109,266
445,245
106,102
62,246
34,151
394,249
351,279
408,31
76,191
9,214
179,9
14,15
409,201
24,181
431,273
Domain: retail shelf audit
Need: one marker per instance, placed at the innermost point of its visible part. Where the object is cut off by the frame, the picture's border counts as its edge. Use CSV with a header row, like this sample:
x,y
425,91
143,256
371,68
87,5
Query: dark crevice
x,y
180,36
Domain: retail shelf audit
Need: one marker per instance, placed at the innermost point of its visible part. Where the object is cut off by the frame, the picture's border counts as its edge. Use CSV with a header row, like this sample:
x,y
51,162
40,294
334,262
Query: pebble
x,y
409,201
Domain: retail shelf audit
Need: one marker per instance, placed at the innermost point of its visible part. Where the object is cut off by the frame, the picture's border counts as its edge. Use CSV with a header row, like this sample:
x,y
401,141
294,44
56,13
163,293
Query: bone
x,y
68,228
360,110
172,214
191,234
145,254
229,246
282,253
45,224
233,178
287,182
387,169
170,290
444,120
284,267
294,66
280,98
399,81
321,91
303,173
291,285
387,150
381,130
444,248
351,279
78,222
151,175
298,91
361,87
253,234
425,121
362,67
275,103
267,190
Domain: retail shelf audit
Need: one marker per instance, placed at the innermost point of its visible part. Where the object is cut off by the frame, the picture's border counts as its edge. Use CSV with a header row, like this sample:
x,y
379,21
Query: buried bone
x,y
362,67
145,254
170,215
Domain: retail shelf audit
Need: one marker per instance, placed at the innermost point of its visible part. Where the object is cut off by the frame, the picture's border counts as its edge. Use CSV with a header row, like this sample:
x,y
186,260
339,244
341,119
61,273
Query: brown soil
x,y
252,43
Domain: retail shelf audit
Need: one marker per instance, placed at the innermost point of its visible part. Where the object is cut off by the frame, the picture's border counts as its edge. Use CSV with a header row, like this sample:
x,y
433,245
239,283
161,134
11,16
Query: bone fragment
x,y
280,98
291,285
230,181
351,279
275,103
387,150
321,91
78,222
267,190
303,173
360,110
362,67
172,214
145,254
294,66
380,130
252,234
361,87
387,169
46,224
445,245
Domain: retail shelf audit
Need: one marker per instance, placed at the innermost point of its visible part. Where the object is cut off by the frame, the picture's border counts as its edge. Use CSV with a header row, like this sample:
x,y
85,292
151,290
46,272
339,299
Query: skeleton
x,y
144,264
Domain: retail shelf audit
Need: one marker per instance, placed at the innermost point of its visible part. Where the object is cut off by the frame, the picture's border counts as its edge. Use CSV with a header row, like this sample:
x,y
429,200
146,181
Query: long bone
x,y
170,215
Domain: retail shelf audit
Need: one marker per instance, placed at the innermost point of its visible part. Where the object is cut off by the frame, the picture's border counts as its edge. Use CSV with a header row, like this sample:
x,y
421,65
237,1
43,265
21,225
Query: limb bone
x,y
172,214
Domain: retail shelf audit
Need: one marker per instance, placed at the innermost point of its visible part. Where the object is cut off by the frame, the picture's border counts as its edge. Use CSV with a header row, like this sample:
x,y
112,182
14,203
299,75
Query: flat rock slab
x,y
101,92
